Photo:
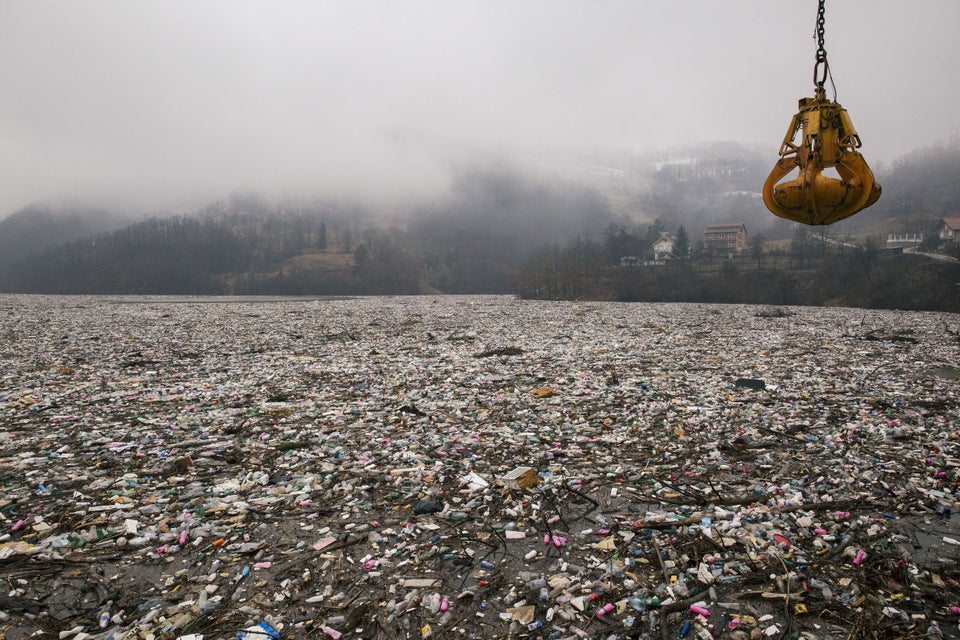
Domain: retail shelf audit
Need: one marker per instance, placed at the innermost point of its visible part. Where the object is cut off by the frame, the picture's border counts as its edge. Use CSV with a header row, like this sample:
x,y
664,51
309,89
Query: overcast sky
x,y
172,102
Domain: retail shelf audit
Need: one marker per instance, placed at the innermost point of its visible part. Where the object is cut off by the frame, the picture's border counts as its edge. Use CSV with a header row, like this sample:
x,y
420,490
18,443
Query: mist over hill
x,y
37,227
472,239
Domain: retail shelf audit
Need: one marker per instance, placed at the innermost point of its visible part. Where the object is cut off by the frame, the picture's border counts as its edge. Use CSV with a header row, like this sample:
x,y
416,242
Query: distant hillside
x,y
704,188
722,182
480,238
694,186
469,242
203,254
925,181
37,227
804,265
808,272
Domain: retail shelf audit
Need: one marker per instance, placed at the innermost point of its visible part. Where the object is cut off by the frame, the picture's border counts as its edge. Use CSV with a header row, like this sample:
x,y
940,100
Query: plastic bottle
x,y
844,543
704,633
638,604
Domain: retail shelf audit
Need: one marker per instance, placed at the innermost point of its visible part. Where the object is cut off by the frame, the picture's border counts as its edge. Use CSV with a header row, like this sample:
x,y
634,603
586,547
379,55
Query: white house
x,y
663,247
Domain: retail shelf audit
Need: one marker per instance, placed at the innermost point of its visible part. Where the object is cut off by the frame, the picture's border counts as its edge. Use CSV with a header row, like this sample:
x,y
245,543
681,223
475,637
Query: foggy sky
x,y
172,103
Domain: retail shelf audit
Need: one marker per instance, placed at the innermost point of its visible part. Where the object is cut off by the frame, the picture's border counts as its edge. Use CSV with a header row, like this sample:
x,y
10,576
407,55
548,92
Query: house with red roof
x,y
950,229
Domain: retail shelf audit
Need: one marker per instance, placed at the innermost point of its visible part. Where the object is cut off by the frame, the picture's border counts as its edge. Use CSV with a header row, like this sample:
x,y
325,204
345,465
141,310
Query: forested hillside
x,y
469,242
501,230
37,227
806,270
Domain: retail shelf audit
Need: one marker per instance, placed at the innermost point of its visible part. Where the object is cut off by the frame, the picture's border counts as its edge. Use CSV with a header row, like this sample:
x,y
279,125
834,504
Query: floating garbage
x,y
475,467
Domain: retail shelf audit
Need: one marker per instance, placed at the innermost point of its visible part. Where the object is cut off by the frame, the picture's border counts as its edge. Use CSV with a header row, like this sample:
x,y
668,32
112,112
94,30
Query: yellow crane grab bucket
x,y
828,141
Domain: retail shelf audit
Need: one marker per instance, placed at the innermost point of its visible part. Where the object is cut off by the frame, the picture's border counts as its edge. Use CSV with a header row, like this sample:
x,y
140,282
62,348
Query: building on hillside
x,y
725,238
894,239
663,247
949,229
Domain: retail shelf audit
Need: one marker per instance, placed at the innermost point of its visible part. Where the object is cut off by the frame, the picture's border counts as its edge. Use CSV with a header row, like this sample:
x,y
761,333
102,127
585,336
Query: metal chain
x,y
821,68
821,21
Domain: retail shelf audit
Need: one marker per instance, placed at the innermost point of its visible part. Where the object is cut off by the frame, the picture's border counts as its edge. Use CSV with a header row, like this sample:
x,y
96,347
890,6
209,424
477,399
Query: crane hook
x,y
829,141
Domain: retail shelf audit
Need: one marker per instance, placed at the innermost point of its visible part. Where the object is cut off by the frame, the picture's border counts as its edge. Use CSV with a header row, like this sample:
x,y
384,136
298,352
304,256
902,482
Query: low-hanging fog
x,y
172,104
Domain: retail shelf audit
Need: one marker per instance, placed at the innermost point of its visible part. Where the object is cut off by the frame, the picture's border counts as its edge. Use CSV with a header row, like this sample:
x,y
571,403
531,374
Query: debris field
x,y
475,467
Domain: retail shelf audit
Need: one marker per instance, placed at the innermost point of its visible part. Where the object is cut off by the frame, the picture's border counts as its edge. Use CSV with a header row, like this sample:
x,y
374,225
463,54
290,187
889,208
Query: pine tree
x,y
322,237
681,245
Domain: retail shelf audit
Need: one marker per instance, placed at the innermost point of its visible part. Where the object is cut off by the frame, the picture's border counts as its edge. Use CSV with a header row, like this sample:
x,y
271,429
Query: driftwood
x,y
881,335
695,519
500,351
